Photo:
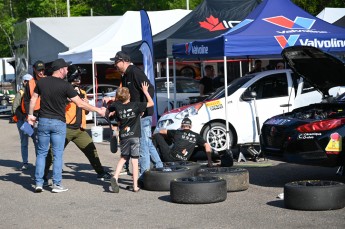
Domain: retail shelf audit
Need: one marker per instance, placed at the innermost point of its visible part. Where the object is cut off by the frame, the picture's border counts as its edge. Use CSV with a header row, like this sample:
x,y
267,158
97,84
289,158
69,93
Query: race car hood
x,y
322,70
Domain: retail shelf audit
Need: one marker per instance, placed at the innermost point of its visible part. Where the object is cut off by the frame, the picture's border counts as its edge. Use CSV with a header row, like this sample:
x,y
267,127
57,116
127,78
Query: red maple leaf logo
x,y
212,24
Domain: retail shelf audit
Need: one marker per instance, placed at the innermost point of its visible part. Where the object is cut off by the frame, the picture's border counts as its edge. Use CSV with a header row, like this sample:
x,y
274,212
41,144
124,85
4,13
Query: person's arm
x,y
33,100
145,88
208,154
86,106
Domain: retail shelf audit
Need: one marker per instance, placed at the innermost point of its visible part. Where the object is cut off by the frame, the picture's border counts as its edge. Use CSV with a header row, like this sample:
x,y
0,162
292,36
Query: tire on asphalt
x,y
194,166
314,195
198,190
237,179
158,179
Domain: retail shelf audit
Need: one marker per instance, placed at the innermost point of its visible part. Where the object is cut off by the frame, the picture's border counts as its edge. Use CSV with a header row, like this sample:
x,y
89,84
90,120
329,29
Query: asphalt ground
x,y
90,204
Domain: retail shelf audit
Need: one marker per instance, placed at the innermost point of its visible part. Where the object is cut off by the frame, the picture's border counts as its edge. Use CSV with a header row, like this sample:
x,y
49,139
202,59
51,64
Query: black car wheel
x,y
158,179
187,72
198,190
314,195
215,135
237,179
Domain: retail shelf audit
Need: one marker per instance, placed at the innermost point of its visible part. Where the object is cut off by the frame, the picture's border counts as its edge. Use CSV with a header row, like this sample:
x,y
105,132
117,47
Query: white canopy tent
x,y
331,15
124,31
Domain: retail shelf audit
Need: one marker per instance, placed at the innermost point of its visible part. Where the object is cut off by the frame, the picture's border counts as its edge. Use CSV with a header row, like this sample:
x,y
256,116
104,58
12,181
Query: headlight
x,y
190,111
164,123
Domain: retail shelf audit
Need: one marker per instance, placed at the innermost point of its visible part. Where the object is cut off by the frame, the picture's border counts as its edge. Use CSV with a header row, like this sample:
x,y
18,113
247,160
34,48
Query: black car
x,y
313,134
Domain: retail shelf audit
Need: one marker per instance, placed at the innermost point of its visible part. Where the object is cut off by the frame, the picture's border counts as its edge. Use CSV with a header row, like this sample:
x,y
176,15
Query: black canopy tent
x,y
209,19
340,22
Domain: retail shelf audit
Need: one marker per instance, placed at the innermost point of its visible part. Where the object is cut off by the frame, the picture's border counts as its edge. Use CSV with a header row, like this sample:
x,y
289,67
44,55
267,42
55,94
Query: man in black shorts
x,y
184,143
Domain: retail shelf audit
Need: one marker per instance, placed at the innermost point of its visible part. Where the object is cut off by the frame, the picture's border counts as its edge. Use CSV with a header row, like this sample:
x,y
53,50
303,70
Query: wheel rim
x,y
216,137
4,102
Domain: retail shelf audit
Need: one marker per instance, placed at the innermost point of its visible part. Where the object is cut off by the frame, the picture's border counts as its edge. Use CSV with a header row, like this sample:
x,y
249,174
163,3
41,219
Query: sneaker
x,y
125,171
115,187
25,166
38,188
59,188
104,176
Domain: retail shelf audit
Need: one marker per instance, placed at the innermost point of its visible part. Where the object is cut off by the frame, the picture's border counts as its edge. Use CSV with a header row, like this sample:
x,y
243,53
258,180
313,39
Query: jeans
x,y
24,141
147,149
50,131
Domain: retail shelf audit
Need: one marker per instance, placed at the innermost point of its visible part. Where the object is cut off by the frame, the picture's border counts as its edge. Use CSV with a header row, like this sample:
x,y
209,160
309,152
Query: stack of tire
x,y
189,183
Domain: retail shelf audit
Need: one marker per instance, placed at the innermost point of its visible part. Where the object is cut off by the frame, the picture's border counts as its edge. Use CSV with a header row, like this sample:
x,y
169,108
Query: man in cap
x,y
184,141
132,78
54,91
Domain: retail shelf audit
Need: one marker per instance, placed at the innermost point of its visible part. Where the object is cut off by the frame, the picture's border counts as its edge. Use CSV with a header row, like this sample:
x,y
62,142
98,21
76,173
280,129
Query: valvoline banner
x,y
272,26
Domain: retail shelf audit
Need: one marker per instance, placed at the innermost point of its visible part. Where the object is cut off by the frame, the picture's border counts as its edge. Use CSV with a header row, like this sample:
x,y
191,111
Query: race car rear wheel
x,y
314,195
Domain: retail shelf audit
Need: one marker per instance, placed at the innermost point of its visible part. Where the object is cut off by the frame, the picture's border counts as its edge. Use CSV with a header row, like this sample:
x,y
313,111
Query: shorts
x,y
130,147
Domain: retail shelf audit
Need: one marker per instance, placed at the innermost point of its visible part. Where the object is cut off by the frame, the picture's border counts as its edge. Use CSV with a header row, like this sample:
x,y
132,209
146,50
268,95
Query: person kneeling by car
x,y
184,143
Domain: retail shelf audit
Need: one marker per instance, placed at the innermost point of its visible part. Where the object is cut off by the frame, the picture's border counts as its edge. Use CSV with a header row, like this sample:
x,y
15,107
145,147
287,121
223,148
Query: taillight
x,y
320,125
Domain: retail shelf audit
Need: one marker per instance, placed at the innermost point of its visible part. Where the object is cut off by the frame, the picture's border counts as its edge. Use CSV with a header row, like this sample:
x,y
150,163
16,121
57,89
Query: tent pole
x,y
167,76
241,73
174,70
226,102
94,92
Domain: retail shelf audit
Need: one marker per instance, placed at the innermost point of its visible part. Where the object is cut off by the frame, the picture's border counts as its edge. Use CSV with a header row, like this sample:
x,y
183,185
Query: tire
x,y
187,72
215,135
198,190
314,195
237,179
4,102
158,179
188,164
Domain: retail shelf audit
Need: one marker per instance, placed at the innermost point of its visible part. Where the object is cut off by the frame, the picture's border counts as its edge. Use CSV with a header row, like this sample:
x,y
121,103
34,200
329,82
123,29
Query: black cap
x,y
186,121
59,63
121,56
39,65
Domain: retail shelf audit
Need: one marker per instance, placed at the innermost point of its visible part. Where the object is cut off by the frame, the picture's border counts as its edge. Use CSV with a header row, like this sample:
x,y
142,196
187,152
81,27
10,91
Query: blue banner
x,y
147,51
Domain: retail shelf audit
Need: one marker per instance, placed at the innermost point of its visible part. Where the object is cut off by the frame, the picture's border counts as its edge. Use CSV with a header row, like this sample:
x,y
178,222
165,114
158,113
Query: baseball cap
x,y
120,55
27,77
59,63
186,121
39,65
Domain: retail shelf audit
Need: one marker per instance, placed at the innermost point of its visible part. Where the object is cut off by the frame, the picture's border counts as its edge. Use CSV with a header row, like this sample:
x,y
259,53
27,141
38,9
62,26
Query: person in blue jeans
x,y
54,91
20,119
132,78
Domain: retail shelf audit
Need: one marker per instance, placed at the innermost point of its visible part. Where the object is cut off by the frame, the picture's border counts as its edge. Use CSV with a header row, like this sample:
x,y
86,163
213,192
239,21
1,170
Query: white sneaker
x,y
59,188
38,188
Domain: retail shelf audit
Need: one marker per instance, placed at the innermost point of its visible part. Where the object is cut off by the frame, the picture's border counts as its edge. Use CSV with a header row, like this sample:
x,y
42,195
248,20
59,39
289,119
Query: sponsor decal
x,y
214,24
214,105
195,49
334,145
308,136
301,25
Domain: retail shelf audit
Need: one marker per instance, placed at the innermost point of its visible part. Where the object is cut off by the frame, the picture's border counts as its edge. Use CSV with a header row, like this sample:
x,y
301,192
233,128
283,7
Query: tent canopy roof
x,y
331,14
126,30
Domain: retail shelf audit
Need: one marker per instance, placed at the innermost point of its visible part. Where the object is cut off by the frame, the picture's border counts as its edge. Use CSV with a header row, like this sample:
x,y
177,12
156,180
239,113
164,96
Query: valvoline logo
x,y
214,24
298,23
196,49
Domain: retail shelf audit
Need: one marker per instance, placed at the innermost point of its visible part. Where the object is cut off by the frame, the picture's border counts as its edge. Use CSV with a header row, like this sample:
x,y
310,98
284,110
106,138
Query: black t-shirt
x,y
132,79
184,143
128,115
208,84
54,93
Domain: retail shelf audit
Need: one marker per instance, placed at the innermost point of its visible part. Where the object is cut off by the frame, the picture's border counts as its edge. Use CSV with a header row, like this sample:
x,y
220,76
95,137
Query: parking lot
x,y
90,204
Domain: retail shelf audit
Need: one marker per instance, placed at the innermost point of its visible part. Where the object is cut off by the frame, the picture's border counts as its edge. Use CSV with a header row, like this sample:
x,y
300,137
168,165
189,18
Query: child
x,y
128,116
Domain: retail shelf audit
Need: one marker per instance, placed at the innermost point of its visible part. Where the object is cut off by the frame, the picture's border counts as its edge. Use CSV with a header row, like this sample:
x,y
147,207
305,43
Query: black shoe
x,y
104,176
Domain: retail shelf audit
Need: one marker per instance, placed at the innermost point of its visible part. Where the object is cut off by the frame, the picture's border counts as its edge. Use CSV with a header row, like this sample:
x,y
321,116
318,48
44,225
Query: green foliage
x,y
14,11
